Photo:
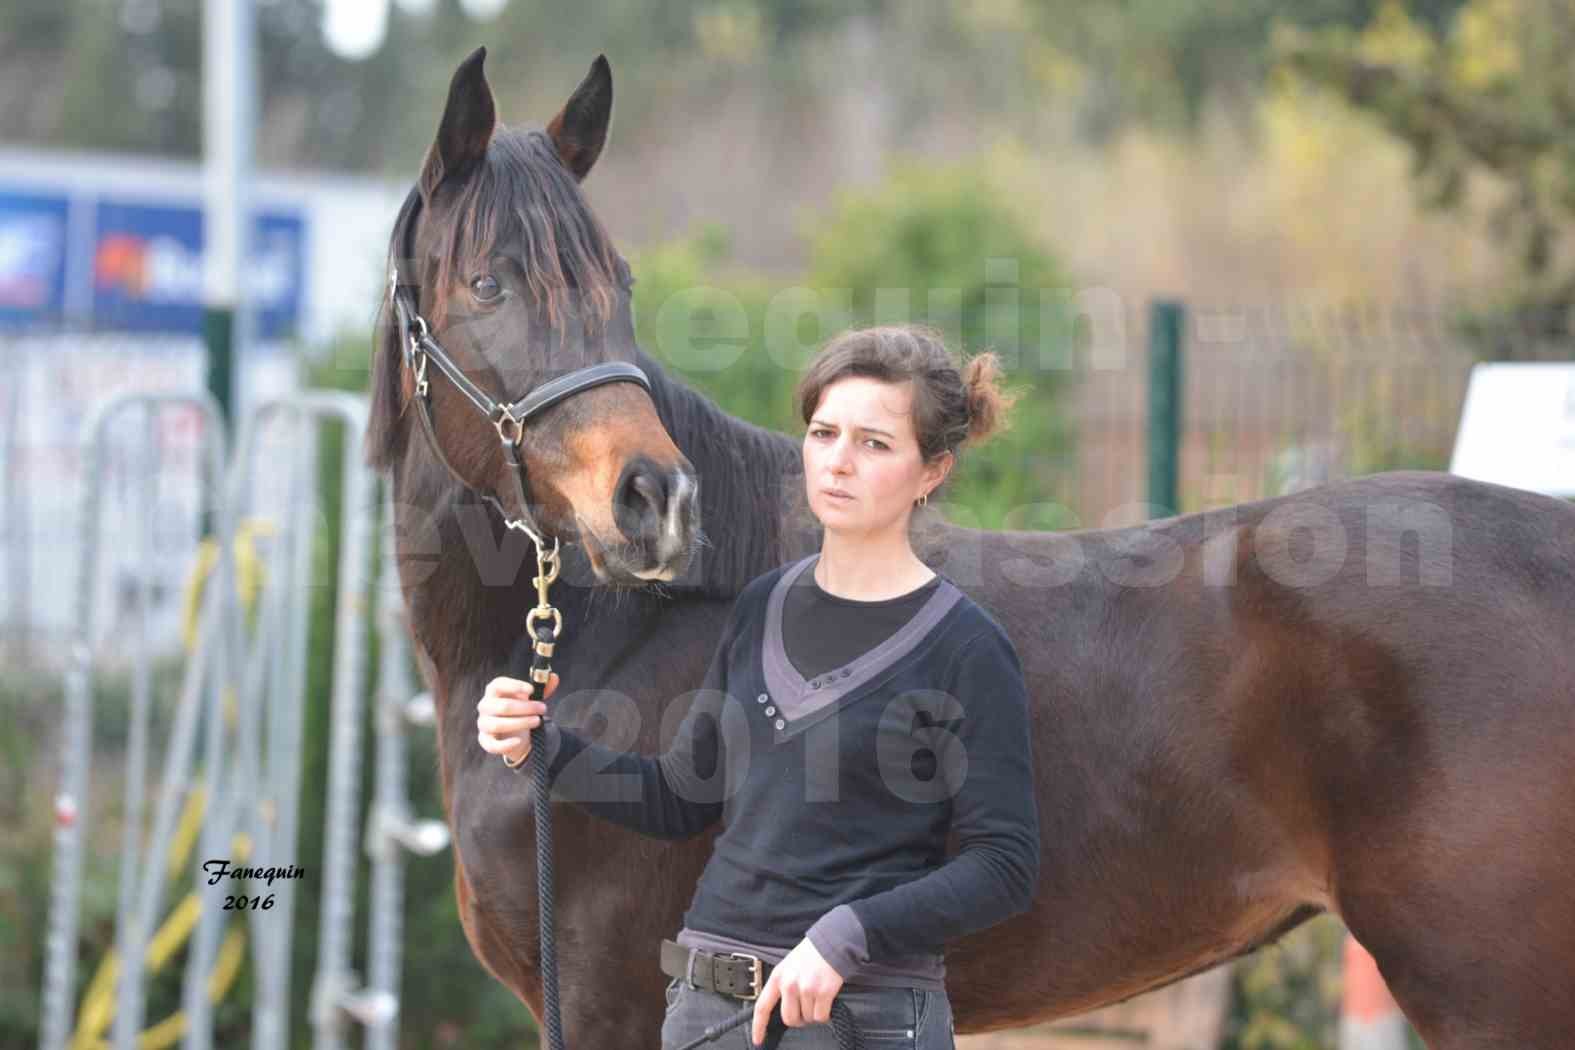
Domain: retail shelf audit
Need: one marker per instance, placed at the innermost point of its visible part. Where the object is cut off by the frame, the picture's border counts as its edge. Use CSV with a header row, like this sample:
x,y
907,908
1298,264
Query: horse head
x,y
508,327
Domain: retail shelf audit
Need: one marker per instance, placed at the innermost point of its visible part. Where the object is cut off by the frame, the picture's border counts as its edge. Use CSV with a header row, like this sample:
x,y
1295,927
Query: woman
x,y
830,879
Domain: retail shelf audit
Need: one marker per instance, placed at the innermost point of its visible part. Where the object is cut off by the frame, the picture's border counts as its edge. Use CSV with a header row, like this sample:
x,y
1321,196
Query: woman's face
x,y
861,442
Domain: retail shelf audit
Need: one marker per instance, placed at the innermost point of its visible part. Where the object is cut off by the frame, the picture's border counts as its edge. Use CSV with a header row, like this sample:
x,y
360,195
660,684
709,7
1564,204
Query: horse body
x,y
1225,747
1357,699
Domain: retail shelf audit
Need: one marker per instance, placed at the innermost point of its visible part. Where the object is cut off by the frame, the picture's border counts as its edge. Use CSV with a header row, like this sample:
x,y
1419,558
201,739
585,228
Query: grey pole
x,y
229,108
392,829
283,772
130,937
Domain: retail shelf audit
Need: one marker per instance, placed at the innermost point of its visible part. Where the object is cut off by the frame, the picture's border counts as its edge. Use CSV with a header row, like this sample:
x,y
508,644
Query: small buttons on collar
x,y
762,698
780,723
771,710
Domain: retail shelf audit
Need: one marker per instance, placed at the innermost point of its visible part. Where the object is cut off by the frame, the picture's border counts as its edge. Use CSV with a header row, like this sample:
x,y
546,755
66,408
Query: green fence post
x,y
218,332
1167,321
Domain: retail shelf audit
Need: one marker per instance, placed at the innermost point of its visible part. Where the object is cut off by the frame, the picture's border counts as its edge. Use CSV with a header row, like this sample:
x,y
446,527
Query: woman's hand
x,y
805,983
506,715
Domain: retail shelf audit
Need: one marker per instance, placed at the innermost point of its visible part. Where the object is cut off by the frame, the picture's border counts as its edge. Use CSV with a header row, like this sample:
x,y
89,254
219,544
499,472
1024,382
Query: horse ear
x,y
469,119
580,130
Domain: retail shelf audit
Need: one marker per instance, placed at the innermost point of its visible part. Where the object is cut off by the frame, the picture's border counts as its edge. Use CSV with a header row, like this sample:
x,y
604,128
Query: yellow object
x,y
169,1031
98,1003
249,576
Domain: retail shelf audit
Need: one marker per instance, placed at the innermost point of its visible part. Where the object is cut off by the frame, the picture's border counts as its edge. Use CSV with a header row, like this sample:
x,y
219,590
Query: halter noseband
x,y
420,348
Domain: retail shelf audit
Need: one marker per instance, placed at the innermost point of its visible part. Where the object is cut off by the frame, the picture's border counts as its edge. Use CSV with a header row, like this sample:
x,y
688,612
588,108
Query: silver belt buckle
x,y
754,975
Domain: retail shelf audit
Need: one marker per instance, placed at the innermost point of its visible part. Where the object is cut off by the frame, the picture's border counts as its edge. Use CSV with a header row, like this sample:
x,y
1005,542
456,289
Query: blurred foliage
x,y
125,74
1287,996
1162,63
1481,98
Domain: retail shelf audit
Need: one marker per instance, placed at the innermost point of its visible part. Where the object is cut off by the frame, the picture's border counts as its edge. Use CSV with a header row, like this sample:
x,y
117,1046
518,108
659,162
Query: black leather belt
x,y
728,973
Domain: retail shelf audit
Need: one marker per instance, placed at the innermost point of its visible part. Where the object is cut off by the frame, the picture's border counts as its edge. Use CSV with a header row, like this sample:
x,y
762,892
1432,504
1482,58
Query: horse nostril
x,y
641,500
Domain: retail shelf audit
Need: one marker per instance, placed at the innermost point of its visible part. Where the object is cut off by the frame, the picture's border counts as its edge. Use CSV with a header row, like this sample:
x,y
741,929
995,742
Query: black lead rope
x,y
541,783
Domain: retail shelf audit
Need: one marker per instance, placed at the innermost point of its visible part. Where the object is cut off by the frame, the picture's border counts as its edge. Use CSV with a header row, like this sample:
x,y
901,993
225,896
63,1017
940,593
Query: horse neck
x,y
751,488
460,618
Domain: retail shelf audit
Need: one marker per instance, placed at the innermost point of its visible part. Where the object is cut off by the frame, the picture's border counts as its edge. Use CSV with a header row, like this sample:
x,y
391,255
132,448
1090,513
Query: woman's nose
x,y
837,456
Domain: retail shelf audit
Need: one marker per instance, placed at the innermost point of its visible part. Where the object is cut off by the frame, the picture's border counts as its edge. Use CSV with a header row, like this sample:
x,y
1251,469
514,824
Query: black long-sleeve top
x,y
837,791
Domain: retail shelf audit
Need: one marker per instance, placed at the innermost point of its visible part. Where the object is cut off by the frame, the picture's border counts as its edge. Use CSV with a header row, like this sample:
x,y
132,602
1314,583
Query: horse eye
x,y
485,288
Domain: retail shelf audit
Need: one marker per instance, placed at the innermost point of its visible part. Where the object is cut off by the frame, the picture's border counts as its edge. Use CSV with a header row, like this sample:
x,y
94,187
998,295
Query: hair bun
x,y
986,402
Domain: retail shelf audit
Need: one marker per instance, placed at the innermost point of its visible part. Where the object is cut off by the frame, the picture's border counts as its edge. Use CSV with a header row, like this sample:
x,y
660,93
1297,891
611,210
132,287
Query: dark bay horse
x,y
1358,699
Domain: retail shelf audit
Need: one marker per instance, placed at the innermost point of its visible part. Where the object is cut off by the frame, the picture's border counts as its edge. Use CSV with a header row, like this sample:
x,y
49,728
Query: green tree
x,y
1484,98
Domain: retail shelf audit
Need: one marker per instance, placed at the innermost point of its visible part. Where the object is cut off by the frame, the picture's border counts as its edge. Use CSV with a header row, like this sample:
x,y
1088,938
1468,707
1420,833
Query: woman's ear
x,y
935,471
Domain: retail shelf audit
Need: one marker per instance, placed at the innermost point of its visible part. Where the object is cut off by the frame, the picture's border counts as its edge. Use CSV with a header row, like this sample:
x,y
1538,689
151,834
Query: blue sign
x,y
32,258
147,270
277,274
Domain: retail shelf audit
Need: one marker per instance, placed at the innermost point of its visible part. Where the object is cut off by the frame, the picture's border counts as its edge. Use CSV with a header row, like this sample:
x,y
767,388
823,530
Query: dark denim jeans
x,y
888,1018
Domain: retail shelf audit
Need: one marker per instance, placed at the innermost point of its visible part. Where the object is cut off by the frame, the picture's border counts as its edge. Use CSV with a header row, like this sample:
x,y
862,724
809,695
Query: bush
x,y
946,247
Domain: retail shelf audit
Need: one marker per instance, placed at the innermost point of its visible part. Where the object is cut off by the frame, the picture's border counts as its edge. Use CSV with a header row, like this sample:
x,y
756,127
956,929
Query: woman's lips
x,y
835,495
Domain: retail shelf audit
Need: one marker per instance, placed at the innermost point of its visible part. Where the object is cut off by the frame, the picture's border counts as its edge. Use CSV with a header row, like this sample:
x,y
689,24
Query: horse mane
x,y
750,484
384,442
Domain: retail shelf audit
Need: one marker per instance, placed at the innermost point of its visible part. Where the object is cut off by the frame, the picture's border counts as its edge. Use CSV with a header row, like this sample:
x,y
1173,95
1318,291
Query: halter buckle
x,y
504,421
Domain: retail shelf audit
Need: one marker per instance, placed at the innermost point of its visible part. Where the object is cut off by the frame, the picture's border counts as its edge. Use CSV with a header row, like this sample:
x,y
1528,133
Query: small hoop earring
x,y
922,501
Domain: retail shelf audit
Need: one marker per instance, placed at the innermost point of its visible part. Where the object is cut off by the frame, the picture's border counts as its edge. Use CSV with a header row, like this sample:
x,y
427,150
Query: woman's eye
x,y
821,431
485,288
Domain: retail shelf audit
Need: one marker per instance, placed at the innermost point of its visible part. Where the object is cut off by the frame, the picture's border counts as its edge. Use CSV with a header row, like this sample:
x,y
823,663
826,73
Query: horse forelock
x,y
522,194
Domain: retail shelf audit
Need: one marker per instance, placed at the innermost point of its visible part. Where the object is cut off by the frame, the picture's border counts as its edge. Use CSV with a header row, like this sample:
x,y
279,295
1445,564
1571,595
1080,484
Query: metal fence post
x,y
1166,324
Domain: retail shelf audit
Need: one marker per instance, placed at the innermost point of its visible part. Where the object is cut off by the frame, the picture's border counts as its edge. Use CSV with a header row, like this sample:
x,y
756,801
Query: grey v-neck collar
x,y
797,698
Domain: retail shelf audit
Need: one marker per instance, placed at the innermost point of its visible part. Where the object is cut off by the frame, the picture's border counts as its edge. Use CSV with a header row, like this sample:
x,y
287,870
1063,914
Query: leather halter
x,y
420,348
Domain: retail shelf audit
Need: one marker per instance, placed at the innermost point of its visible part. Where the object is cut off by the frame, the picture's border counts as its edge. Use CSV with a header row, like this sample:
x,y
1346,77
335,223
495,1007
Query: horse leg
x,y
1467,910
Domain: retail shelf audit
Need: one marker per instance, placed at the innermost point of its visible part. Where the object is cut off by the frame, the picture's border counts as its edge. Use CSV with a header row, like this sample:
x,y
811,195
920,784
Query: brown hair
x,y
951,405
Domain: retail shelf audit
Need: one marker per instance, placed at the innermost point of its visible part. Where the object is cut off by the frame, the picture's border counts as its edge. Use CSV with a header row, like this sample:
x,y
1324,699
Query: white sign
x,y
1518,427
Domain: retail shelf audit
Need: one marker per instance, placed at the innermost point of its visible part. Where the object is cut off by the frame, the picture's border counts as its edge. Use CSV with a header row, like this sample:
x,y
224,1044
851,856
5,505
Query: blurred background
x,y
1226,248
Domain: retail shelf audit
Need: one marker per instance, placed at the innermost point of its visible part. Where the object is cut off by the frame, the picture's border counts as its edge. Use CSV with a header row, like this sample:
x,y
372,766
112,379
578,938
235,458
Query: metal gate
x,y
240,702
